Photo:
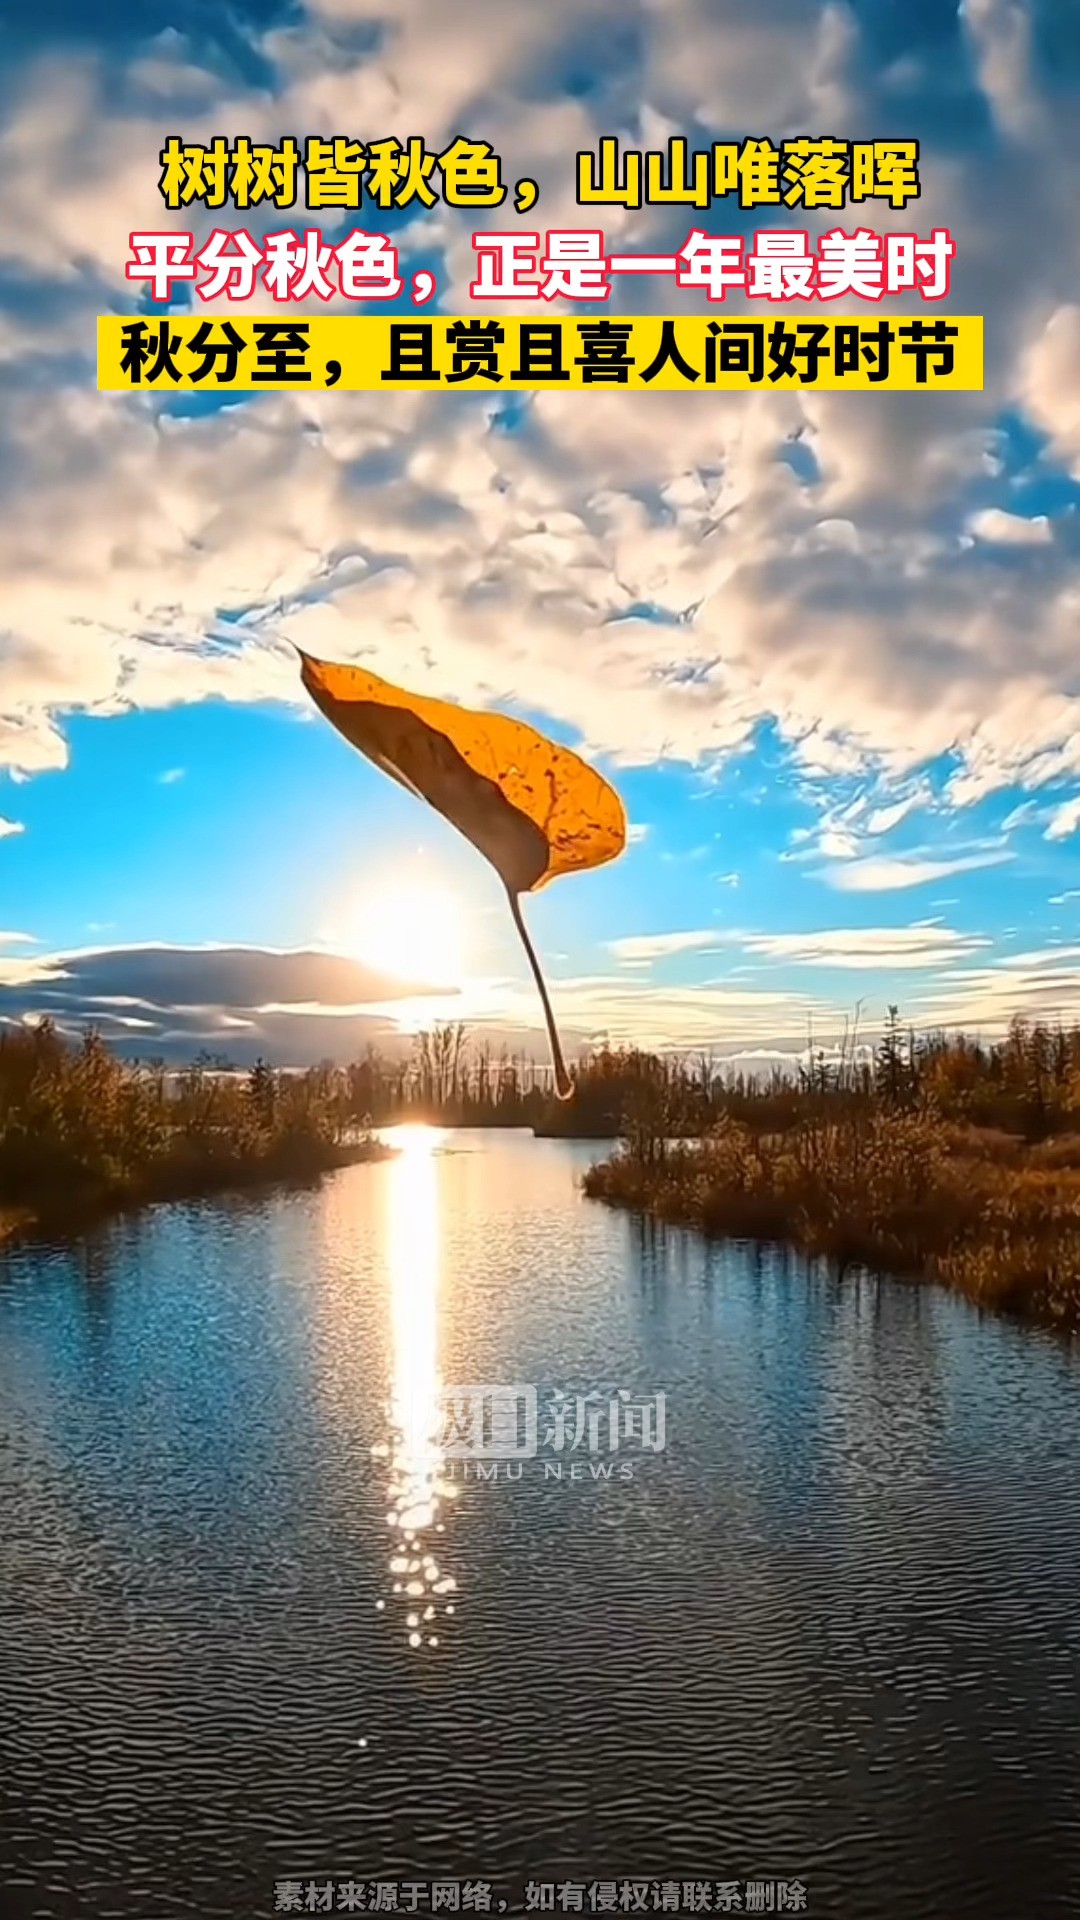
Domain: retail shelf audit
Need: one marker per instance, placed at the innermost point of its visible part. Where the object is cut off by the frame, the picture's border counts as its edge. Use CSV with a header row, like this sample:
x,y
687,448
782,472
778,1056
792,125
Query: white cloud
x,y
885,875
10,827
1000,32
658,946
1049,380
1044,985
921,946
1010,529
834,844
296,1006
883,819
1052,956
632,1010
1064,820
925,944
493,565
1021,816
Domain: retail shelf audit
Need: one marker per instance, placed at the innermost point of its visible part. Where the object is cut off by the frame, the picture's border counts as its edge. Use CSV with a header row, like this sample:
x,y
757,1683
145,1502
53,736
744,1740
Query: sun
x,y
413,932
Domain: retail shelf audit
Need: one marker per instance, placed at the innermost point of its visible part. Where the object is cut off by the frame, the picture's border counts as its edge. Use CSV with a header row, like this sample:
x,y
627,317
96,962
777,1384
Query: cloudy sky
x,y
827,645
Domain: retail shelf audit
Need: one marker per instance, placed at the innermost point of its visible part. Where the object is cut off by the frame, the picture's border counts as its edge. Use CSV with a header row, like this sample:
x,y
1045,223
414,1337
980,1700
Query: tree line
x,y
74,1115
933,1156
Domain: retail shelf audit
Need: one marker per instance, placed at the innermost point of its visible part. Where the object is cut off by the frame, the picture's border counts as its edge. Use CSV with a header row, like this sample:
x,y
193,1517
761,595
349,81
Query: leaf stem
x,y
564,1086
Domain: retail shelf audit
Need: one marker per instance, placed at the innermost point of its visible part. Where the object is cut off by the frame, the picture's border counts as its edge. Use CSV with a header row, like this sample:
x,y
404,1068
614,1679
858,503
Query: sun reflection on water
x,y
418,1483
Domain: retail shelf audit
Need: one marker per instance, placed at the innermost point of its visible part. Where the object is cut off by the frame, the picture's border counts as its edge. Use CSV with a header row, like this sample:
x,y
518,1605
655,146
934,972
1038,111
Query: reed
x,y
81,1128
901,1191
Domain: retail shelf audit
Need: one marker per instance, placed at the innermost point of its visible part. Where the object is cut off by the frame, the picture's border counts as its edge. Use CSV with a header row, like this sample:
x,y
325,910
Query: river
x,y
260,1625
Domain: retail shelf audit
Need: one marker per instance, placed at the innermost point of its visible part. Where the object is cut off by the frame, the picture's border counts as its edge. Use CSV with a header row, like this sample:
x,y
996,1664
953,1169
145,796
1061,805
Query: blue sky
x,y
825,645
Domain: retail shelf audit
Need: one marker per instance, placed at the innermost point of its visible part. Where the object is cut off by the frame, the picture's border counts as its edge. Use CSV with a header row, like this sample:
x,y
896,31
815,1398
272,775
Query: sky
x,y
826,645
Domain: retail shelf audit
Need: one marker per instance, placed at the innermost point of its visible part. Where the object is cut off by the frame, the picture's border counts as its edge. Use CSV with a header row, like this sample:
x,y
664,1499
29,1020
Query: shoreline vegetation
x,y
84,1133
929,1157
936,1159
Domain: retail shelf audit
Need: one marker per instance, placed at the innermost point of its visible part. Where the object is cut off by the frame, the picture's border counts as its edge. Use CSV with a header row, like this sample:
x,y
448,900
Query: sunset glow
x,y
412,932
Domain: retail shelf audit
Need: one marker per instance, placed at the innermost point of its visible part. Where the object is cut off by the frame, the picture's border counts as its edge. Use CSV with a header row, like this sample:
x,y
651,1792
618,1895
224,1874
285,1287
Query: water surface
x,y
830,1632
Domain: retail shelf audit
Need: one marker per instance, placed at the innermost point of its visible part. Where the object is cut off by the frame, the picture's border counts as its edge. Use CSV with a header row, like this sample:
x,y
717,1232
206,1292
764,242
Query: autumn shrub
x,y
898,1190
78,1122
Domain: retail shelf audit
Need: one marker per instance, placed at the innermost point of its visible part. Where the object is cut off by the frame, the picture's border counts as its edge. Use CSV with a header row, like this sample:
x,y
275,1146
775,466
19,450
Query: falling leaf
x,y
534,809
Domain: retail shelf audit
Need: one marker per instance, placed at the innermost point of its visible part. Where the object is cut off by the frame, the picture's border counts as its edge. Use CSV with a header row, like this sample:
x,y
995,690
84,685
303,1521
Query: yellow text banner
x,y
697,353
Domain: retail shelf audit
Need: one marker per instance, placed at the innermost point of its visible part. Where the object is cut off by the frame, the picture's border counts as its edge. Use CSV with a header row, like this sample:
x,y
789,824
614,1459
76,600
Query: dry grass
x,y
81,1130
974,1209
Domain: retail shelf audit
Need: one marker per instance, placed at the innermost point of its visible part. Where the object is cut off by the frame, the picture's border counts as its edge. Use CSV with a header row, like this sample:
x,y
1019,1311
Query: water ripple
x,y
829,1632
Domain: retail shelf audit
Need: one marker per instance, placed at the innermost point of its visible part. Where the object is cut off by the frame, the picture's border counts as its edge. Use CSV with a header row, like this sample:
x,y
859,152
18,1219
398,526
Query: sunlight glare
x,y
417,1479
414,932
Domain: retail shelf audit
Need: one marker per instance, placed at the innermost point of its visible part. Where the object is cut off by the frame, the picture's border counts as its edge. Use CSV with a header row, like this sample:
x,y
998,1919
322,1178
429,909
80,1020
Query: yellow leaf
x,y
533,808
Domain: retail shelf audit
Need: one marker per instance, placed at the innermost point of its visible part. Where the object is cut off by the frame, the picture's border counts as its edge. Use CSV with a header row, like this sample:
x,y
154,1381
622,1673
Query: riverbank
x,y
84,1133
74,1207
971,1209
